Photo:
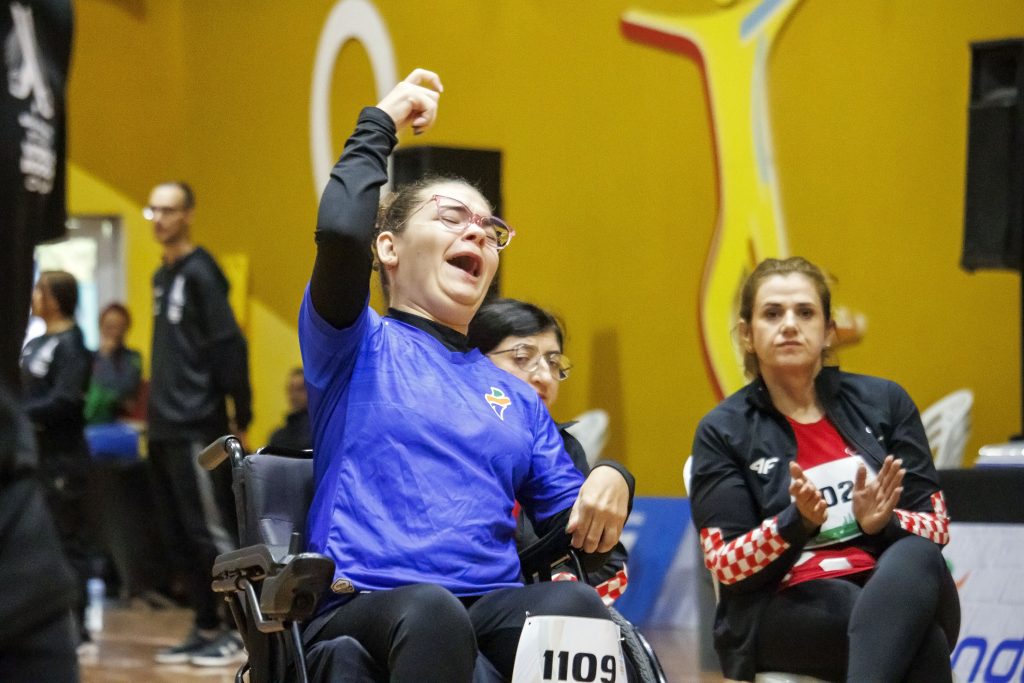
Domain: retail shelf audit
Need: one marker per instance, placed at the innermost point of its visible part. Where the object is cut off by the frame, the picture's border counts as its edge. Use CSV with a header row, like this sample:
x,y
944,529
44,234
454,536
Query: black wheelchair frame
x,y
271,585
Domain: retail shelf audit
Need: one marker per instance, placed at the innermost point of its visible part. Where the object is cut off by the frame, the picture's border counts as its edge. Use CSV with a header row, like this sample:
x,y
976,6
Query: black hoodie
x,y
55,372
199,354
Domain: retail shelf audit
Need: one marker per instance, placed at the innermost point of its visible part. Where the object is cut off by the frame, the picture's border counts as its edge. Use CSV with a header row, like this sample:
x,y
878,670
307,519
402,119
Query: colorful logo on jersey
x,y
498,402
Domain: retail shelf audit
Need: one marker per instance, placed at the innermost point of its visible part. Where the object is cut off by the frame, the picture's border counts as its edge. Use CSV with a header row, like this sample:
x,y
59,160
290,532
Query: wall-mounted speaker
x,y
994,202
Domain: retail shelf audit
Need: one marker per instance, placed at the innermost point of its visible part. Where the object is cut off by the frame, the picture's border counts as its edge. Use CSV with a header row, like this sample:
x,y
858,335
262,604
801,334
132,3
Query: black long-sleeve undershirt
x,y
340,282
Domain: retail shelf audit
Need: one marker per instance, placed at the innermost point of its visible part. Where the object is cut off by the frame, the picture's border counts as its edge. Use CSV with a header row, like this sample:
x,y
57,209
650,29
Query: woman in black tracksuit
x,y
818,506
55,370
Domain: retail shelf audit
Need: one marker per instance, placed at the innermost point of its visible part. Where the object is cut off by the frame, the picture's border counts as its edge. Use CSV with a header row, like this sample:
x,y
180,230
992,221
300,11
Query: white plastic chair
x,y
763,676
687,473
591,430
947,422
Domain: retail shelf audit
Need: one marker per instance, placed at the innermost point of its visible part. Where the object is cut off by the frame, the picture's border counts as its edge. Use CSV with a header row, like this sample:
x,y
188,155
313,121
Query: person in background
x,y
527,341
199,361
116,370
818,505
37,627
54,377
295,432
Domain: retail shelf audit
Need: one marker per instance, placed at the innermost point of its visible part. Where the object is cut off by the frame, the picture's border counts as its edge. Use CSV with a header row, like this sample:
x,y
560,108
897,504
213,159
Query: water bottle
x,y
96,591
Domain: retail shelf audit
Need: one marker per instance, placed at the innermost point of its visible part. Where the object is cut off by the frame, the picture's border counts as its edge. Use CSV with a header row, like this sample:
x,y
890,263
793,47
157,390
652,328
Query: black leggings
x,y
65,476
900,625
423,633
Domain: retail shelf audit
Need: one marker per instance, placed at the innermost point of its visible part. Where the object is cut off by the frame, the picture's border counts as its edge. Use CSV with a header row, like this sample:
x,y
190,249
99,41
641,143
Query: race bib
x,y
835,483
573,649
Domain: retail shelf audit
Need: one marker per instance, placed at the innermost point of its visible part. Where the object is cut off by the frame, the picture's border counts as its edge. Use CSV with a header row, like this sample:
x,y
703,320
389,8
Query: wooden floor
x,y
131,636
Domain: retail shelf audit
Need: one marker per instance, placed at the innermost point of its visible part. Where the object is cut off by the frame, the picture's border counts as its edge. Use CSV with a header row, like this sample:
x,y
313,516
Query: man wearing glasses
x,y
199,359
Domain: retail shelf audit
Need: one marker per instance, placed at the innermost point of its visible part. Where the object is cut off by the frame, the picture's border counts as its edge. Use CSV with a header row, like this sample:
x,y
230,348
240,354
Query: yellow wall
x,y
608,178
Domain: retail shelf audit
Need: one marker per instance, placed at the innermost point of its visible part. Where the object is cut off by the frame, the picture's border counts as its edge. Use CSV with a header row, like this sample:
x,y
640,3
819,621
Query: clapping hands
x,y
873,502
808,499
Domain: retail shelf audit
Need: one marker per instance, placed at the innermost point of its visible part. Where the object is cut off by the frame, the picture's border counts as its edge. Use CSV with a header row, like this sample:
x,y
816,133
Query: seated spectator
x,y
116,370
295,432
818,506
526,341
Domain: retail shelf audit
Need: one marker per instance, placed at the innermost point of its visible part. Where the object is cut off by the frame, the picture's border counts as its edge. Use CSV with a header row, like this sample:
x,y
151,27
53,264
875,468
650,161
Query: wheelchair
x,y
271,585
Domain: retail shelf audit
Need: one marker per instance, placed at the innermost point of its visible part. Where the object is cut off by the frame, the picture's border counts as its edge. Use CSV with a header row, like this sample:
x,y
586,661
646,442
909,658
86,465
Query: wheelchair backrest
x,y
278,491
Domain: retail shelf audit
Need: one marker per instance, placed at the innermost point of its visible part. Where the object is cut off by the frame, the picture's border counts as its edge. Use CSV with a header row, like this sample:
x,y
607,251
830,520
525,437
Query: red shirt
x,y
816,444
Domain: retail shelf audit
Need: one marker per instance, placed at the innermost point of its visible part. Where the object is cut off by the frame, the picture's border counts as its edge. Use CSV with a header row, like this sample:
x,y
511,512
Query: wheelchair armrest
x,y
256,561
293,591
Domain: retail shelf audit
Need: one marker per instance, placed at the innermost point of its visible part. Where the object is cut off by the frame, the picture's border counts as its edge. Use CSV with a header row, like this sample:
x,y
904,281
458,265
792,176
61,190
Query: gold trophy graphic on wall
x,y
731,47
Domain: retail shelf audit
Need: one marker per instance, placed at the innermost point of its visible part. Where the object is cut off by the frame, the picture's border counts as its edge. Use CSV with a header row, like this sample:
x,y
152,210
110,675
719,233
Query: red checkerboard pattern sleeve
x,y
931,525
744,555
610,589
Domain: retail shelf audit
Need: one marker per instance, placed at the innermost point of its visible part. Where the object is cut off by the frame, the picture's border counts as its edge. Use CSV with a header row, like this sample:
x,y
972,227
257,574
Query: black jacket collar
x,y
452,340
826,385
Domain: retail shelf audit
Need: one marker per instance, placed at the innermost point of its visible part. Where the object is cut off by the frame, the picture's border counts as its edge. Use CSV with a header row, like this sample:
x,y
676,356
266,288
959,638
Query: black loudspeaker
x,y
994,203
481,167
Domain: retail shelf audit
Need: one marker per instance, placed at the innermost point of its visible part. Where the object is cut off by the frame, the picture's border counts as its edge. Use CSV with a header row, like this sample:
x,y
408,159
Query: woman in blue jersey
x,y
818,506
527,341
423,446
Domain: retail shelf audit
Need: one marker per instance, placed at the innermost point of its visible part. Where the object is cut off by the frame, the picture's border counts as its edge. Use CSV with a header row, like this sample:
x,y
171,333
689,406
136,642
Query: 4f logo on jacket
x,y
498,402
763,466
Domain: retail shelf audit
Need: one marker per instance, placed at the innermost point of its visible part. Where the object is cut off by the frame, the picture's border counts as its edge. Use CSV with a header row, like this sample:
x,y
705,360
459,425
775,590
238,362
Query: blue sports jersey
x,y
420,454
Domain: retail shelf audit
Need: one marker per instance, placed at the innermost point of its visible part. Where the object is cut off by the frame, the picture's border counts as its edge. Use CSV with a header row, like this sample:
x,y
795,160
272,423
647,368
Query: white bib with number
x,y
572,649
835,483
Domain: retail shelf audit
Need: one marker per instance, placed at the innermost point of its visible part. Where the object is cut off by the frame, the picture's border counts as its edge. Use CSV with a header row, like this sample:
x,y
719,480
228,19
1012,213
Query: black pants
x,y
46,653
900,625
64,478
192,513
422,633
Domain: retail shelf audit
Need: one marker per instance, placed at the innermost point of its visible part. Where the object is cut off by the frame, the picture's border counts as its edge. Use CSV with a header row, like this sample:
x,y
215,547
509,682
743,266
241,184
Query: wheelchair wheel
x,y
638,651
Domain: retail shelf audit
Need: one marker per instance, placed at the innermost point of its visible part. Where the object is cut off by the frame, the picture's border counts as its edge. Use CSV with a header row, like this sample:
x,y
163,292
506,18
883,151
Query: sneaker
x,y
225,649
180,653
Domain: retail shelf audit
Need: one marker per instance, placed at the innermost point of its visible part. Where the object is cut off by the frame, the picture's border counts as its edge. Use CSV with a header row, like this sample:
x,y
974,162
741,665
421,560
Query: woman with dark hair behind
x,y
818,505
527,342
116,370
54,376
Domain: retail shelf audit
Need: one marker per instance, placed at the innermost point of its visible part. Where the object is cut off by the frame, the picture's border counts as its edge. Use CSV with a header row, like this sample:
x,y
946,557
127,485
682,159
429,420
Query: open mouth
x,y
468,263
